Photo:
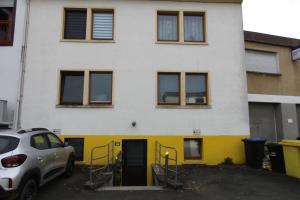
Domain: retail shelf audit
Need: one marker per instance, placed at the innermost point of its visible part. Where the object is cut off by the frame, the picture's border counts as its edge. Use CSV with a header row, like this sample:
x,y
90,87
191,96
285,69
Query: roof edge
x,y
271,39
207,1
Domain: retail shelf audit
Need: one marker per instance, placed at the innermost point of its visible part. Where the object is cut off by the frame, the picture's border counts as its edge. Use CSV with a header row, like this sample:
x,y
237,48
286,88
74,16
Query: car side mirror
x,y
66,144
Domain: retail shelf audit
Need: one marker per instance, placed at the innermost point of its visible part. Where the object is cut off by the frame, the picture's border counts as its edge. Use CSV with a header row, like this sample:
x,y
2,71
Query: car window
x,y
8,144
39,142
54,141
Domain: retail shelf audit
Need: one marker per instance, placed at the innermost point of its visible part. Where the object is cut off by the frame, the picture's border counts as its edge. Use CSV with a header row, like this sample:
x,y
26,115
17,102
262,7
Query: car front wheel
x,y
70,167
29,190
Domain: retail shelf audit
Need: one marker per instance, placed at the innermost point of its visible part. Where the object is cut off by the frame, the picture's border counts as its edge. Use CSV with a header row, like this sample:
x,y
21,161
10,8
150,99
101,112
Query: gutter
x,y
23,66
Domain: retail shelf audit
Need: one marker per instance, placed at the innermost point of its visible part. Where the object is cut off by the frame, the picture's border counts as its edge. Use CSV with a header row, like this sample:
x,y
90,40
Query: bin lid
x,y
272,144
254,140
295,143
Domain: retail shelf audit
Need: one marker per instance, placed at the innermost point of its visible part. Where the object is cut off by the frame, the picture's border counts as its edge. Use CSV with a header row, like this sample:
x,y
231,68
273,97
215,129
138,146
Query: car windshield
x,y
8,144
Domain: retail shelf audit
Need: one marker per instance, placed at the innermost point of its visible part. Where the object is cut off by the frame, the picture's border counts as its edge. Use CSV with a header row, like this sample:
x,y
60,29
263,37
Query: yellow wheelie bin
x,y
291,150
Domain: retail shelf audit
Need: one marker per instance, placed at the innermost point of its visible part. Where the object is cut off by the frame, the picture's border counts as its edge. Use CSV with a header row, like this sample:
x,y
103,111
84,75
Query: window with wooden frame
x,y
168,88
193,148
196,89
7,22
75,24
88,24
181,27
100,88
194,26
102,24
85,87
182,88
167,26
71,88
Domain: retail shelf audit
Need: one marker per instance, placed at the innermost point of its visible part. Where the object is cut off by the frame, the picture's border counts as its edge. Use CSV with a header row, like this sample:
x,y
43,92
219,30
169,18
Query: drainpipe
x,y
23,66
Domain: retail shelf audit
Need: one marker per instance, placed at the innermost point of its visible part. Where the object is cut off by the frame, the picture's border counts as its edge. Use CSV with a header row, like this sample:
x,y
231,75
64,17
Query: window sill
x,y
88,41
264,73
184,107
181,43
84,106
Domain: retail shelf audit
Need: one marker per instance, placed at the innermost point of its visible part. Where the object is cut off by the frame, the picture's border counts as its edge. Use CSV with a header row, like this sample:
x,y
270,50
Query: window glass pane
x,y
193,28
54,141
72,87
101,87
39,142
75,24
169,88
168,27
8,144
103,25
6,24
192,148
195,87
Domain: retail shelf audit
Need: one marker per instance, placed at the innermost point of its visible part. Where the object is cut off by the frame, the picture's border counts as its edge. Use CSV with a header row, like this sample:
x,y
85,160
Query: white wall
x,y
135,58
10,63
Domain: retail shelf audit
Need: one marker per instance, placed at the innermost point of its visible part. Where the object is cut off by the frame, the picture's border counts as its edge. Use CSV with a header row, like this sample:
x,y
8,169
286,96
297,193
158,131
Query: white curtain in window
x,y
7,3
103,26
167,27
193,28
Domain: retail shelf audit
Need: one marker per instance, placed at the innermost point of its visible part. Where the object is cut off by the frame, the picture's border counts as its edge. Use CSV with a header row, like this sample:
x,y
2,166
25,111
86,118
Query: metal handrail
x,y
159,155
109,155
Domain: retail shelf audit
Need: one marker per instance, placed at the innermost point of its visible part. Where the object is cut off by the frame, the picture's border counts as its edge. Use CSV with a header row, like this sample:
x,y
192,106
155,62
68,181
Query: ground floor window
x,y
193,149
78,144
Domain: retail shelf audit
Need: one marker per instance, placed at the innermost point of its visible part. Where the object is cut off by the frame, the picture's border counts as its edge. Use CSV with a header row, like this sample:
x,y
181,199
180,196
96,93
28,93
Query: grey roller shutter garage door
x,y
262,121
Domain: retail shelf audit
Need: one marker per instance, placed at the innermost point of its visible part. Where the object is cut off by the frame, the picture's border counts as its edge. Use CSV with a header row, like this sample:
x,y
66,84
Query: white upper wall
x,y
10,62
135,59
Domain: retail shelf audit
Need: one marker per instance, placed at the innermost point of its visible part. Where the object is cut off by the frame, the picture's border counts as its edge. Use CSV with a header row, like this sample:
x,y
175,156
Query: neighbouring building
x,y
12,20
273,86
136,72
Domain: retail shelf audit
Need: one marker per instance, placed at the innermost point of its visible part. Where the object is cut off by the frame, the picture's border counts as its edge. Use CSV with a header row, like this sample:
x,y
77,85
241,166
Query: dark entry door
x,y
135,162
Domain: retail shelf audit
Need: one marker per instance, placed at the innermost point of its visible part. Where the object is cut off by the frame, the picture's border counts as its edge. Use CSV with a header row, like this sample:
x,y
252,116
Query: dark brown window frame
x,y
158,87
172,13
191,13
11,24
62,73
200,141
206,87
90,88
64,28
95,10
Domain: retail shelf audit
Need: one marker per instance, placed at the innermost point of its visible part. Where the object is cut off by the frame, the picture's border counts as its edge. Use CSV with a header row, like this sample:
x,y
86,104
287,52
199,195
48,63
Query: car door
x,y
60,154
43,154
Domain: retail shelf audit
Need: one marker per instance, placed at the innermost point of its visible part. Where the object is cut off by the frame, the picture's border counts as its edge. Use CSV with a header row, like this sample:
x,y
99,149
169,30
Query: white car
x,y
29,159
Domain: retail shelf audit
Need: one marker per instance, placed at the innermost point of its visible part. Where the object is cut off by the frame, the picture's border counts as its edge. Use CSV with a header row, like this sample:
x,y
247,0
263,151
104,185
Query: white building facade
x,y
168,71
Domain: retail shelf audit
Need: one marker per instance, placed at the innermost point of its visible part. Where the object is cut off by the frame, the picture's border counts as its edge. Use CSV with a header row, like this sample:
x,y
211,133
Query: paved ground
x,y
202,182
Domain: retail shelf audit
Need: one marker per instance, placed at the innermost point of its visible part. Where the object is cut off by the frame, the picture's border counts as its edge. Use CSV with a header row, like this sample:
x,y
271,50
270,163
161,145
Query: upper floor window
x,y
88,24
168,26
194,27
86,87
262,61
75,24
180,88
181,27
7,19
72,87
103,24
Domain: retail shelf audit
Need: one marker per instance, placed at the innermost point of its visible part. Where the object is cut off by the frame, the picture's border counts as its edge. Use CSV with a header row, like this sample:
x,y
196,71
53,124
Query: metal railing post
x,y
166,168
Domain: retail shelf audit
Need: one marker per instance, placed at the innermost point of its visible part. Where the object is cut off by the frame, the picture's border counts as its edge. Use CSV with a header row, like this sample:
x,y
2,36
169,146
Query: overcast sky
x,y
276,17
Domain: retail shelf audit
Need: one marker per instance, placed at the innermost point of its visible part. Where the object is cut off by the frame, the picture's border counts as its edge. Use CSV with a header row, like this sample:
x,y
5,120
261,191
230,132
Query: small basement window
x,y
193,149
78,144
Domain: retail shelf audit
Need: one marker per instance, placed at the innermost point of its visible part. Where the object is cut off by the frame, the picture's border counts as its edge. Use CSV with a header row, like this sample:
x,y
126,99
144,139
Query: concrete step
x,y
130,188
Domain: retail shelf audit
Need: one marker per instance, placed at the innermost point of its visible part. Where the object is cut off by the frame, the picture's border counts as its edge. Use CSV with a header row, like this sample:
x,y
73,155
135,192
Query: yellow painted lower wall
x,y
214,148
